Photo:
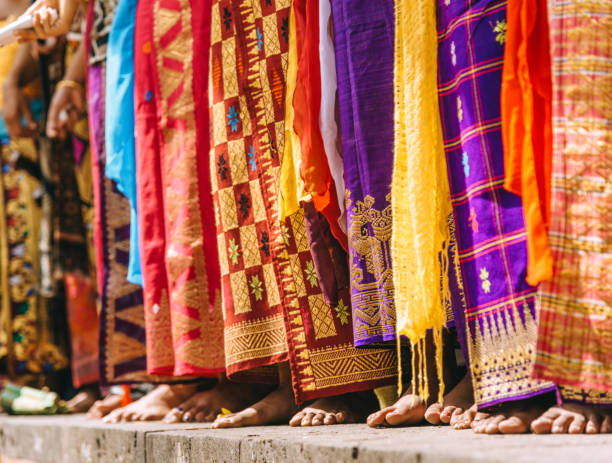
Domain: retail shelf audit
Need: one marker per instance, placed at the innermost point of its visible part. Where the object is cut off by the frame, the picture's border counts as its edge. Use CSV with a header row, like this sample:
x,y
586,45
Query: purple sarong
x,y
364,44
491,237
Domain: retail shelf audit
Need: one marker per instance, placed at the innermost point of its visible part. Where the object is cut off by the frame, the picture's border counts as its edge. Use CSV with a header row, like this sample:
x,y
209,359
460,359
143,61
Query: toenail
x,y
180,409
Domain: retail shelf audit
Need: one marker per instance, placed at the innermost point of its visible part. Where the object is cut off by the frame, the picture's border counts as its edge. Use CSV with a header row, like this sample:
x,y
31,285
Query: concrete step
x,y
74,439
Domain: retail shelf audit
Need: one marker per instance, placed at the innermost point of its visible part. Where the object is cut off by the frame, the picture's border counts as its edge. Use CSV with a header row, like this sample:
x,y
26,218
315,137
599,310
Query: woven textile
x,y
491,236
575,325
274,308
364,44
122,333
180,267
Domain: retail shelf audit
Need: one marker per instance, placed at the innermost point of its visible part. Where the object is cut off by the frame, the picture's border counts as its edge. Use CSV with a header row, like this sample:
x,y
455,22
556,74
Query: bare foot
x,y
275,408
573,419
153,406
204,406
515,418
455,409
103,407
346,408
82,401
409,410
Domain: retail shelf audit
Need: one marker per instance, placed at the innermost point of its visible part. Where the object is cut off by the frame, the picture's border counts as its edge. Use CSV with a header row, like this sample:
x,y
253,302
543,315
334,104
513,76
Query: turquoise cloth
x,y
36,106
119,135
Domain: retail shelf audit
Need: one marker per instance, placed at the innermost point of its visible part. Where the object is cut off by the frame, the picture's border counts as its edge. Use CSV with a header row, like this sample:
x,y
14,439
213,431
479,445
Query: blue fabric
x,y
36,106
119,135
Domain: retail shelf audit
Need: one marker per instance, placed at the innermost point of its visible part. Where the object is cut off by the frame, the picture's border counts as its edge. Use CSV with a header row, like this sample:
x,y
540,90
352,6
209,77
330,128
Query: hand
x,y
16,106
67,106
45,25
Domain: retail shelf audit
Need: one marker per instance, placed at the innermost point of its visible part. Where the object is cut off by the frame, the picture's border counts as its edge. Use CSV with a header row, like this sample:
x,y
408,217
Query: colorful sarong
x,y
122,329
175,209
575,325
274,308
26,339
364,41
491,236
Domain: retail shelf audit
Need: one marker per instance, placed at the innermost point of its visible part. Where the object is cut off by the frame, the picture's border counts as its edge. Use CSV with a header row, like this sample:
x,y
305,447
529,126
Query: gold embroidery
x,y
501,355
271,31
271,284
322,317
298,277
219,124
230,82
237,161
299,232
344,364
249,246
259,210
255,339
240,292
369,237
229,217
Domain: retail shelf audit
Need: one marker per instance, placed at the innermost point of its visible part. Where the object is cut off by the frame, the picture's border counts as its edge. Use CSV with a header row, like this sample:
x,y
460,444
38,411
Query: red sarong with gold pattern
x,y
179,256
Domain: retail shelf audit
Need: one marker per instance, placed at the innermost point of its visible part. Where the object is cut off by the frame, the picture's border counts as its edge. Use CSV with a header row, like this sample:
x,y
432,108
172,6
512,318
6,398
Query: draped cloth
x,y
122,329
179,254
364,44
420,195
491,236
526,108
575,309
274,308
307,98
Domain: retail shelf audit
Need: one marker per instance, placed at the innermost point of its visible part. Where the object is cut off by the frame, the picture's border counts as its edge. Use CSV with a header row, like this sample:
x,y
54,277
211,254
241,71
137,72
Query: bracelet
x,y
70,84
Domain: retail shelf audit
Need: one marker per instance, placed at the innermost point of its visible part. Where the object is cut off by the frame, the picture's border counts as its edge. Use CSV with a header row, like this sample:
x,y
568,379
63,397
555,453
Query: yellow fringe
x,y
419,190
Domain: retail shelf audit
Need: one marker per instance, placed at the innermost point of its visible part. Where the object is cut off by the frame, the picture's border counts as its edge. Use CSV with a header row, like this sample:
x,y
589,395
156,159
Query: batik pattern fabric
x,y
27,341
575,325
122,326
491,237
274,308
179,253
364,51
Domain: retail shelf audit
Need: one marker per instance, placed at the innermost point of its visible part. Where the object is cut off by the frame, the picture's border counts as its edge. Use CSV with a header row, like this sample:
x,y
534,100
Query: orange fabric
x,y
526,103
314,168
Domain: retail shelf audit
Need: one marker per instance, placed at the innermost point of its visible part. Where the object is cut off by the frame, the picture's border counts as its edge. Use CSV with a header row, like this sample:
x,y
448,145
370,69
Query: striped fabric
x,y
575,328
491,236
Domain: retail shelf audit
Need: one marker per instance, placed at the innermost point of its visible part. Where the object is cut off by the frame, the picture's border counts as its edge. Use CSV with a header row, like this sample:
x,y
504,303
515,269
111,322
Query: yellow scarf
x,y
420,190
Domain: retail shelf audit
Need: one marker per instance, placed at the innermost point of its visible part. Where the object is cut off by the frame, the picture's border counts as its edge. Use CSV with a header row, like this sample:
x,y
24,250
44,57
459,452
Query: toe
x,y
593,424
297,419
493,424
447,414
330,419
432,414
378,418
561,424
606,425
317,419
200,417
577,425
339,417
542,425
174,416
307,420
513,425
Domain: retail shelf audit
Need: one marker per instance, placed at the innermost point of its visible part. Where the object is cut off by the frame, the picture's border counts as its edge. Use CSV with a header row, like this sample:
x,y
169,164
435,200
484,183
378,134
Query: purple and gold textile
x,y
364,41
491,237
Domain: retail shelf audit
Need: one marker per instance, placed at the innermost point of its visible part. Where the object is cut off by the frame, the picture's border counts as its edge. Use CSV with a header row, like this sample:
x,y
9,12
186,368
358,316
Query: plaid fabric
x,y
575,326
500,317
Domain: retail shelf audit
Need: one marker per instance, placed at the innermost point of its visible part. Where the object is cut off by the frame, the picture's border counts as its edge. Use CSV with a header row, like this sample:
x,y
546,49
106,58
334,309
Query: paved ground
x,y
73,439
